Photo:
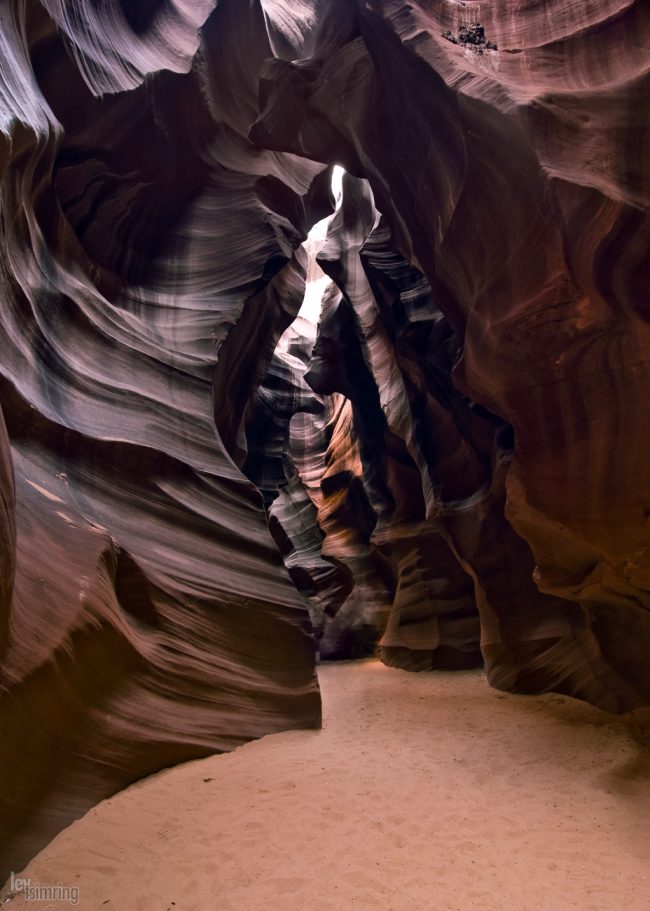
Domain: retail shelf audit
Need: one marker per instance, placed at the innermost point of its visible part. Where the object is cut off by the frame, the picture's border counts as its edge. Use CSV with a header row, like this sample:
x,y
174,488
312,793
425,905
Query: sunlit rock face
x,y
453,468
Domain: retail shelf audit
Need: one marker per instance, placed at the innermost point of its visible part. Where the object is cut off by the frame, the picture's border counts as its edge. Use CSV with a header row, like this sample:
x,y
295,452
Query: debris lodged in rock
x,y
473,35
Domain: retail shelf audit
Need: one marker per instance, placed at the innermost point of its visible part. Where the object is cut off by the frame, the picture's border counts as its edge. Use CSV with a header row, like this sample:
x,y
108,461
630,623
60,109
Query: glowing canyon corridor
x,y
324,334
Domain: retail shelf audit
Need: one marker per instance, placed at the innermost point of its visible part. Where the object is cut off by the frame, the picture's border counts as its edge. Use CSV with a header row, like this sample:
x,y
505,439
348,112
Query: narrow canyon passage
x,y
234,445
422,791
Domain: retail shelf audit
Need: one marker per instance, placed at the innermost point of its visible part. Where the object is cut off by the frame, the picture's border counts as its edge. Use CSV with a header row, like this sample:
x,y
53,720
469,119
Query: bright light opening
x,y
317,281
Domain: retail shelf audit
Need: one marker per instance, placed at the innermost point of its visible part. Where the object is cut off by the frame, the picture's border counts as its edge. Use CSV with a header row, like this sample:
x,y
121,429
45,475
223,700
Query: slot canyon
x,y
324,334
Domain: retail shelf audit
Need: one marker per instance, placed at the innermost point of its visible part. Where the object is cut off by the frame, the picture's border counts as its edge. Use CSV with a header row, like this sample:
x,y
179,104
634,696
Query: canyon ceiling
x,y
197,487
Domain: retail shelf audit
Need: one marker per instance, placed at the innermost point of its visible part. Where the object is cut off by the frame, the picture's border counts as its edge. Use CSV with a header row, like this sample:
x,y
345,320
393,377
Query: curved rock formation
x,y
470,469
504,180
152,620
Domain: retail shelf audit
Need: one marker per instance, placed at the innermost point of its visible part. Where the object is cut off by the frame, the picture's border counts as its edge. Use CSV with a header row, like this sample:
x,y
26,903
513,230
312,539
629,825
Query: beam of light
x,y
317,281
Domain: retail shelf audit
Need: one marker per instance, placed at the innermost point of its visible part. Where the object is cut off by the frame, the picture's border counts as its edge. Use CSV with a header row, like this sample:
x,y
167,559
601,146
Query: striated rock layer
x,y
456,471
146,614
516,181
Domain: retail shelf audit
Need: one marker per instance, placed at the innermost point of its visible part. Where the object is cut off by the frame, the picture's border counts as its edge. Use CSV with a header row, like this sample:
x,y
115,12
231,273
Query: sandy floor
x,y
424,792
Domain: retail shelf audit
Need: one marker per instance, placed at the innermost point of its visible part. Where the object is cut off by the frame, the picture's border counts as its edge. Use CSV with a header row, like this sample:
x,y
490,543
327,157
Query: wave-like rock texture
x,y
470,466
300,449
326,450
146,614
516,180
384,345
